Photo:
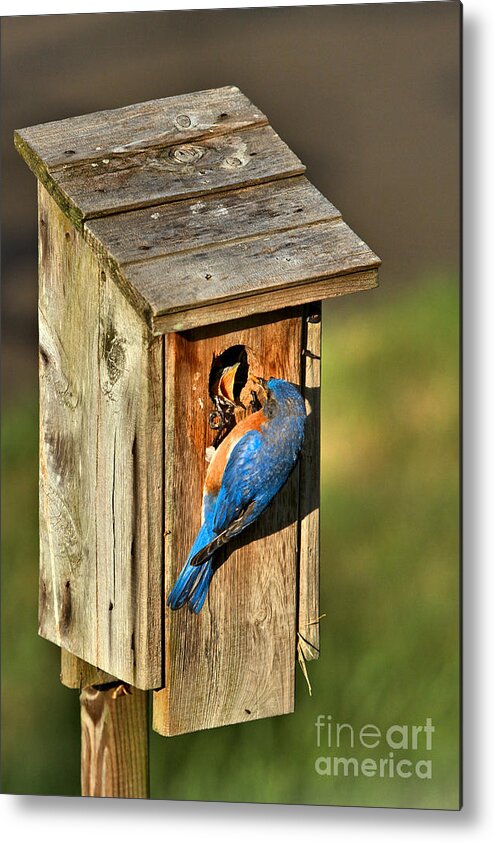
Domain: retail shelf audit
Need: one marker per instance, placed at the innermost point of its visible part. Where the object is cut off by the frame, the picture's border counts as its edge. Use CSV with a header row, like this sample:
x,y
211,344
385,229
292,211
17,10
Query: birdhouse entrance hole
x,y
234,389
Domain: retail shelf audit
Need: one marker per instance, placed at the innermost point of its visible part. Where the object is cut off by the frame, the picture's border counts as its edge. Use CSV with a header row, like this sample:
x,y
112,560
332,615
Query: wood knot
x,y
233,163
43,356
113,353
186,154
65,532
183,121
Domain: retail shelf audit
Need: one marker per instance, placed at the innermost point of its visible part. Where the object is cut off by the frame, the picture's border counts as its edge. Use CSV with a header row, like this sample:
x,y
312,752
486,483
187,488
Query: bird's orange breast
x,y
214,476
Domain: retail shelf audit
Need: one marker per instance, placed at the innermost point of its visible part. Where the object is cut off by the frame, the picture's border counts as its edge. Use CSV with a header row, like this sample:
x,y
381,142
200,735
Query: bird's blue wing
x,y
242,481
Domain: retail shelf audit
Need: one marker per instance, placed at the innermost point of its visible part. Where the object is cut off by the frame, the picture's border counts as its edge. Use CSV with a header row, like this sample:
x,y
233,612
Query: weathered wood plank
x,y
267,301
129,493
100,443
77,674
210,276
161,174
68,348
196,223
166,173
145,125
308,605
234,661
191,189
114,742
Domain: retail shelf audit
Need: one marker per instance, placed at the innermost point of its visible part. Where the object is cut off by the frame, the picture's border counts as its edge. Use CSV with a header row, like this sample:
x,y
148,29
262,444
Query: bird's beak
x,y
227,383
260,381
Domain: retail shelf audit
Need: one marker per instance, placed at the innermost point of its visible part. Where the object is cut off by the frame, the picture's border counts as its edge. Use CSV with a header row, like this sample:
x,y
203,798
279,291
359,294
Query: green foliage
x,y
389,584
40,718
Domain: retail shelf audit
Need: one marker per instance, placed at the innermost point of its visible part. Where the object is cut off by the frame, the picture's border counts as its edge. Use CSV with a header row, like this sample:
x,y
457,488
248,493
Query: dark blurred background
x,y
368,97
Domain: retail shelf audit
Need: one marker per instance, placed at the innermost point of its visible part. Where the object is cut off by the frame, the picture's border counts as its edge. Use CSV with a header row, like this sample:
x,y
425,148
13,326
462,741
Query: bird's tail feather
x,y
193,582
180,592
198,595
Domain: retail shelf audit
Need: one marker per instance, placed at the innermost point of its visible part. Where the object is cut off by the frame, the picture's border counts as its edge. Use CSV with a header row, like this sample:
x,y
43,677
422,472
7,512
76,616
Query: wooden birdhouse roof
x,y
199,209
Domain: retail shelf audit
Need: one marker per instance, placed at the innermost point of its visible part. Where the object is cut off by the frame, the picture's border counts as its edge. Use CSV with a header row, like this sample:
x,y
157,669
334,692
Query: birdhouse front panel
x,y
238,652
183,256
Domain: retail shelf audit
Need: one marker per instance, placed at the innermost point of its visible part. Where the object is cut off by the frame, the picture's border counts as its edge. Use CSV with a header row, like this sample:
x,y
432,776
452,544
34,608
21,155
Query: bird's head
x,y
281,395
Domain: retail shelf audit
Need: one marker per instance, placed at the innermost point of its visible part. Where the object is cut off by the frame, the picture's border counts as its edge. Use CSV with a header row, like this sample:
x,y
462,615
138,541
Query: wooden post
x,y
114,731
114,741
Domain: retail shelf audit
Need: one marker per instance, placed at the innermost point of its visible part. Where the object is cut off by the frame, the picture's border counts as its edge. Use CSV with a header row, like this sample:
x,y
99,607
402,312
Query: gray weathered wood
x,y
308,605
208,277
265,302
134,128
235,661
77,674
158,175
142,179
100,445
195,202
193,224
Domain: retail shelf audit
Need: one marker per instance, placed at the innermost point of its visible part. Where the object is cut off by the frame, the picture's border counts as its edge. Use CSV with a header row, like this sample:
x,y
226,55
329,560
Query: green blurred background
x,y
368,97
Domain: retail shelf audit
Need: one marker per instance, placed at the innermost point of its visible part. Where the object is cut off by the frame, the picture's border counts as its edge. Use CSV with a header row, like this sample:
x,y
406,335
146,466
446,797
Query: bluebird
x,y
247,470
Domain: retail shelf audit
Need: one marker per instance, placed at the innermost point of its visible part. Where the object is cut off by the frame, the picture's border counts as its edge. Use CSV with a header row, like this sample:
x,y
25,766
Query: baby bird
x,y
247,470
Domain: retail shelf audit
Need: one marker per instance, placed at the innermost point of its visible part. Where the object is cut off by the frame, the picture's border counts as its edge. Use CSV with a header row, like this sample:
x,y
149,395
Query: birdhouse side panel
x,y
100,462
308,597
235,660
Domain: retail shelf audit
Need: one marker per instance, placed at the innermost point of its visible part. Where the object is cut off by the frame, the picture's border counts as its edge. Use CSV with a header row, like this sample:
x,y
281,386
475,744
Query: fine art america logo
x,y
386,746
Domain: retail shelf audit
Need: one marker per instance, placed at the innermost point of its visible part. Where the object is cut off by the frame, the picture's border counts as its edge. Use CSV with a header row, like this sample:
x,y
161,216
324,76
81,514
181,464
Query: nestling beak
x,y
227,383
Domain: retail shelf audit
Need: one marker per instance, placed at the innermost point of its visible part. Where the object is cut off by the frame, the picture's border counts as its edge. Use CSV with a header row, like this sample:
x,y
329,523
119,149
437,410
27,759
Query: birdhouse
x,y
182,254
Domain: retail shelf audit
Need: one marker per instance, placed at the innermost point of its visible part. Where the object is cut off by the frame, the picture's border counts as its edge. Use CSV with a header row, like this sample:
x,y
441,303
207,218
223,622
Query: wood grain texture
x,y
167,173
194,202
100,443
162,174
138,127
193,224
308,600
77,674
114,743
284,260
267,301
234,661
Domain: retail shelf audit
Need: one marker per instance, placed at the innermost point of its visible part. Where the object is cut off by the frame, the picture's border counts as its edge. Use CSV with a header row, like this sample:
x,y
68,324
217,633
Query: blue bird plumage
x,y
248,469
